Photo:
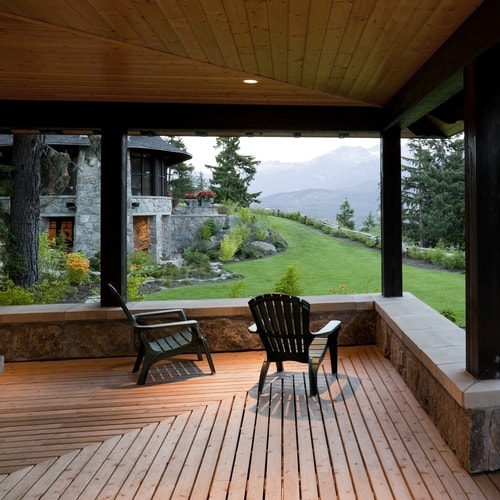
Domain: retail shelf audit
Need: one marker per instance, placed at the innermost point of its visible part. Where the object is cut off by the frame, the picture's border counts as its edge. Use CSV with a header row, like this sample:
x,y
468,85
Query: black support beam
x,y
201,118
482,177
390,204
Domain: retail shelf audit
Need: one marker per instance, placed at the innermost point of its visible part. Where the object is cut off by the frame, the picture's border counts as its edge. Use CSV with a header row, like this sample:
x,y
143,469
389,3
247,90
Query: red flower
x,y
206,194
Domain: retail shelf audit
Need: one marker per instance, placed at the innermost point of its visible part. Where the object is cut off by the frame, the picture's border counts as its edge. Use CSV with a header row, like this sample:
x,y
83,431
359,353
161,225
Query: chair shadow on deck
x,y
172,370
287,390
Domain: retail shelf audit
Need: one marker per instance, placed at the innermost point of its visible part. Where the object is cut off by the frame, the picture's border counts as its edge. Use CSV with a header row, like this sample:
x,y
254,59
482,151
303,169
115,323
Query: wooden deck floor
x,y
84,429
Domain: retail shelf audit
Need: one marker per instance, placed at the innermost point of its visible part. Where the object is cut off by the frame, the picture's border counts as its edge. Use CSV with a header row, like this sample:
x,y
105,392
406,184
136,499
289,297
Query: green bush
x,y
95,262
51,291
134,284
449,314
208,229
142,263
228,247
13,295
197,260
454,260
237,289
232,242
246,215
51,258
289,283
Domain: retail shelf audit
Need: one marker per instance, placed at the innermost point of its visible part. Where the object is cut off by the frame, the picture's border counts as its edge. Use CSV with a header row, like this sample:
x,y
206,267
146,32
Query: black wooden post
x,y
390,205
113,213
482,180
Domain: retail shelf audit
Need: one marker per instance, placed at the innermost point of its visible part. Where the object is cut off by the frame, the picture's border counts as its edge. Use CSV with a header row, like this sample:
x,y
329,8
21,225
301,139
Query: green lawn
x,y
328,265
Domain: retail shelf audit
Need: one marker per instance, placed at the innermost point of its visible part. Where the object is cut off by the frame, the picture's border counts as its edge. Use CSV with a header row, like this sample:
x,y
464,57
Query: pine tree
x,y
345,218
180,176
433,192
233,173
369,224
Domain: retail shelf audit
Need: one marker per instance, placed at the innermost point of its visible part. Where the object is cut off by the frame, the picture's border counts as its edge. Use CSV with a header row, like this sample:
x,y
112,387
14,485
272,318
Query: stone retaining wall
x,y
87,331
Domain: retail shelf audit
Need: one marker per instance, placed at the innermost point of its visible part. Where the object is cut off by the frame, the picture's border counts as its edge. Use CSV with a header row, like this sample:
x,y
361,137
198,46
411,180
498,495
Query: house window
x,y
142,172
149,174
62,225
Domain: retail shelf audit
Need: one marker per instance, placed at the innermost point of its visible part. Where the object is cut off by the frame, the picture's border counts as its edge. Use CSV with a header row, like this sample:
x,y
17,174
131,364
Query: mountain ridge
x,y
319,186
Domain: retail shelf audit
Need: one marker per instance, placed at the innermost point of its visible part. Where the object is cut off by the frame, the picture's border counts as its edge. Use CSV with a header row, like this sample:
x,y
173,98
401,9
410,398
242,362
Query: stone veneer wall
x,y
86,331
428,351
456,424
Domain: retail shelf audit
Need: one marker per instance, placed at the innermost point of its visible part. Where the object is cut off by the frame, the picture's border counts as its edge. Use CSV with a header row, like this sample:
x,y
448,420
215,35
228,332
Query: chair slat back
x,y
121,303
282,322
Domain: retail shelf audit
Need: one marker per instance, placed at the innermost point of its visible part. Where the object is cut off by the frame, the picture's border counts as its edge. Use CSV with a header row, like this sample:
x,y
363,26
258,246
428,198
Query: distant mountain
x,y
319,186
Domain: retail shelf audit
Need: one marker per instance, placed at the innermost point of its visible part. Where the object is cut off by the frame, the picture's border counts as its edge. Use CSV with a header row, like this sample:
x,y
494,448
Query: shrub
x,y
95,262
289,283
143,264
13,295
228,247
261,233
236,290
449,314
197,260
246,215
208,229
50,291
77,268
232,242
51,258
134,284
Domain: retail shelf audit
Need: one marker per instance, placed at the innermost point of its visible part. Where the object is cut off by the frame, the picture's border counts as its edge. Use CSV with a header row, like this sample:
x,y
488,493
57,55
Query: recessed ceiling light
x,y
250,81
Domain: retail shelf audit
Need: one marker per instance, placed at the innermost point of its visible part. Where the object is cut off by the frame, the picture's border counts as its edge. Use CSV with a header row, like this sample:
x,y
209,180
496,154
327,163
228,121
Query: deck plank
x,y
186,434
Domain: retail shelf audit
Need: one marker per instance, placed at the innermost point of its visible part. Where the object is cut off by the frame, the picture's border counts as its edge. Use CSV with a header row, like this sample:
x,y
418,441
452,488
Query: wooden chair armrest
x,y
166,312
329,328
171,324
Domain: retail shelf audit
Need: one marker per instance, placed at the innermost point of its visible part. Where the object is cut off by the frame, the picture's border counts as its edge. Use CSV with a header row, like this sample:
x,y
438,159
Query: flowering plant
x,y
206,194
191,196
77,268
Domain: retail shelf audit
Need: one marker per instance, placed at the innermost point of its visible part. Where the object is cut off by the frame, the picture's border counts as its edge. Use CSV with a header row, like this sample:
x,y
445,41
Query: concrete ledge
x,y
429,353
440,346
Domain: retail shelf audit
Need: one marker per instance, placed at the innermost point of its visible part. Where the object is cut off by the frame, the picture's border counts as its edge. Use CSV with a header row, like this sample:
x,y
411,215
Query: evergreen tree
x,y
345,218
233,173
433,192
369,224
180,178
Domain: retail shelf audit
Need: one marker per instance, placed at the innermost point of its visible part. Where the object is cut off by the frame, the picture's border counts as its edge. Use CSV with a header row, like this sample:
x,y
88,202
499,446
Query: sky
x,y
284,149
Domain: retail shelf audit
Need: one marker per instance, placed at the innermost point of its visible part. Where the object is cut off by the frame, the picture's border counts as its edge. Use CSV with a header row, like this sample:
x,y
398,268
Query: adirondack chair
x,y
163,334
282,322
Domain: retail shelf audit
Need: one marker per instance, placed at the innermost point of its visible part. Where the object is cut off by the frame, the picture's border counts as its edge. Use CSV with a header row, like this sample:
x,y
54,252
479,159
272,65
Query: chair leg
x,y
263,373
333,347
138,360
209,355
144,372
313,377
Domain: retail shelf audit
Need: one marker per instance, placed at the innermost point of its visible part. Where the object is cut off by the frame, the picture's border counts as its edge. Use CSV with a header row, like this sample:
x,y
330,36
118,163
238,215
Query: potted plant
x,y
190,199
206,197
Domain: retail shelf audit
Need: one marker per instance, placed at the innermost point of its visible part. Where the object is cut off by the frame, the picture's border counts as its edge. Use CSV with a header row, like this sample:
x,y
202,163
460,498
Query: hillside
x,y
319,186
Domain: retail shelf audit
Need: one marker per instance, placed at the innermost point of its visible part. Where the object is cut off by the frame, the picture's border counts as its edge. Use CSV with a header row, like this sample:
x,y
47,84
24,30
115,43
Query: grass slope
x,y
327,266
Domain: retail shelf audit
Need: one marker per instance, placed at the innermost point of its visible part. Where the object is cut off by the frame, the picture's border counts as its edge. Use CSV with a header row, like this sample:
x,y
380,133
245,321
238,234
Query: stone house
x,y
153,224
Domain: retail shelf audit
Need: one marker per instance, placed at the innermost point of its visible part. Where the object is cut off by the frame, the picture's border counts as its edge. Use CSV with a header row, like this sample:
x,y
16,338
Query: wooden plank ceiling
x,y
302,53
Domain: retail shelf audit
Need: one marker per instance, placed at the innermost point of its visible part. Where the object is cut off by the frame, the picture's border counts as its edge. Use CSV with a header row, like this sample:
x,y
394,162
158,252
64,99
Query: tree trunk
x,y
25,210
